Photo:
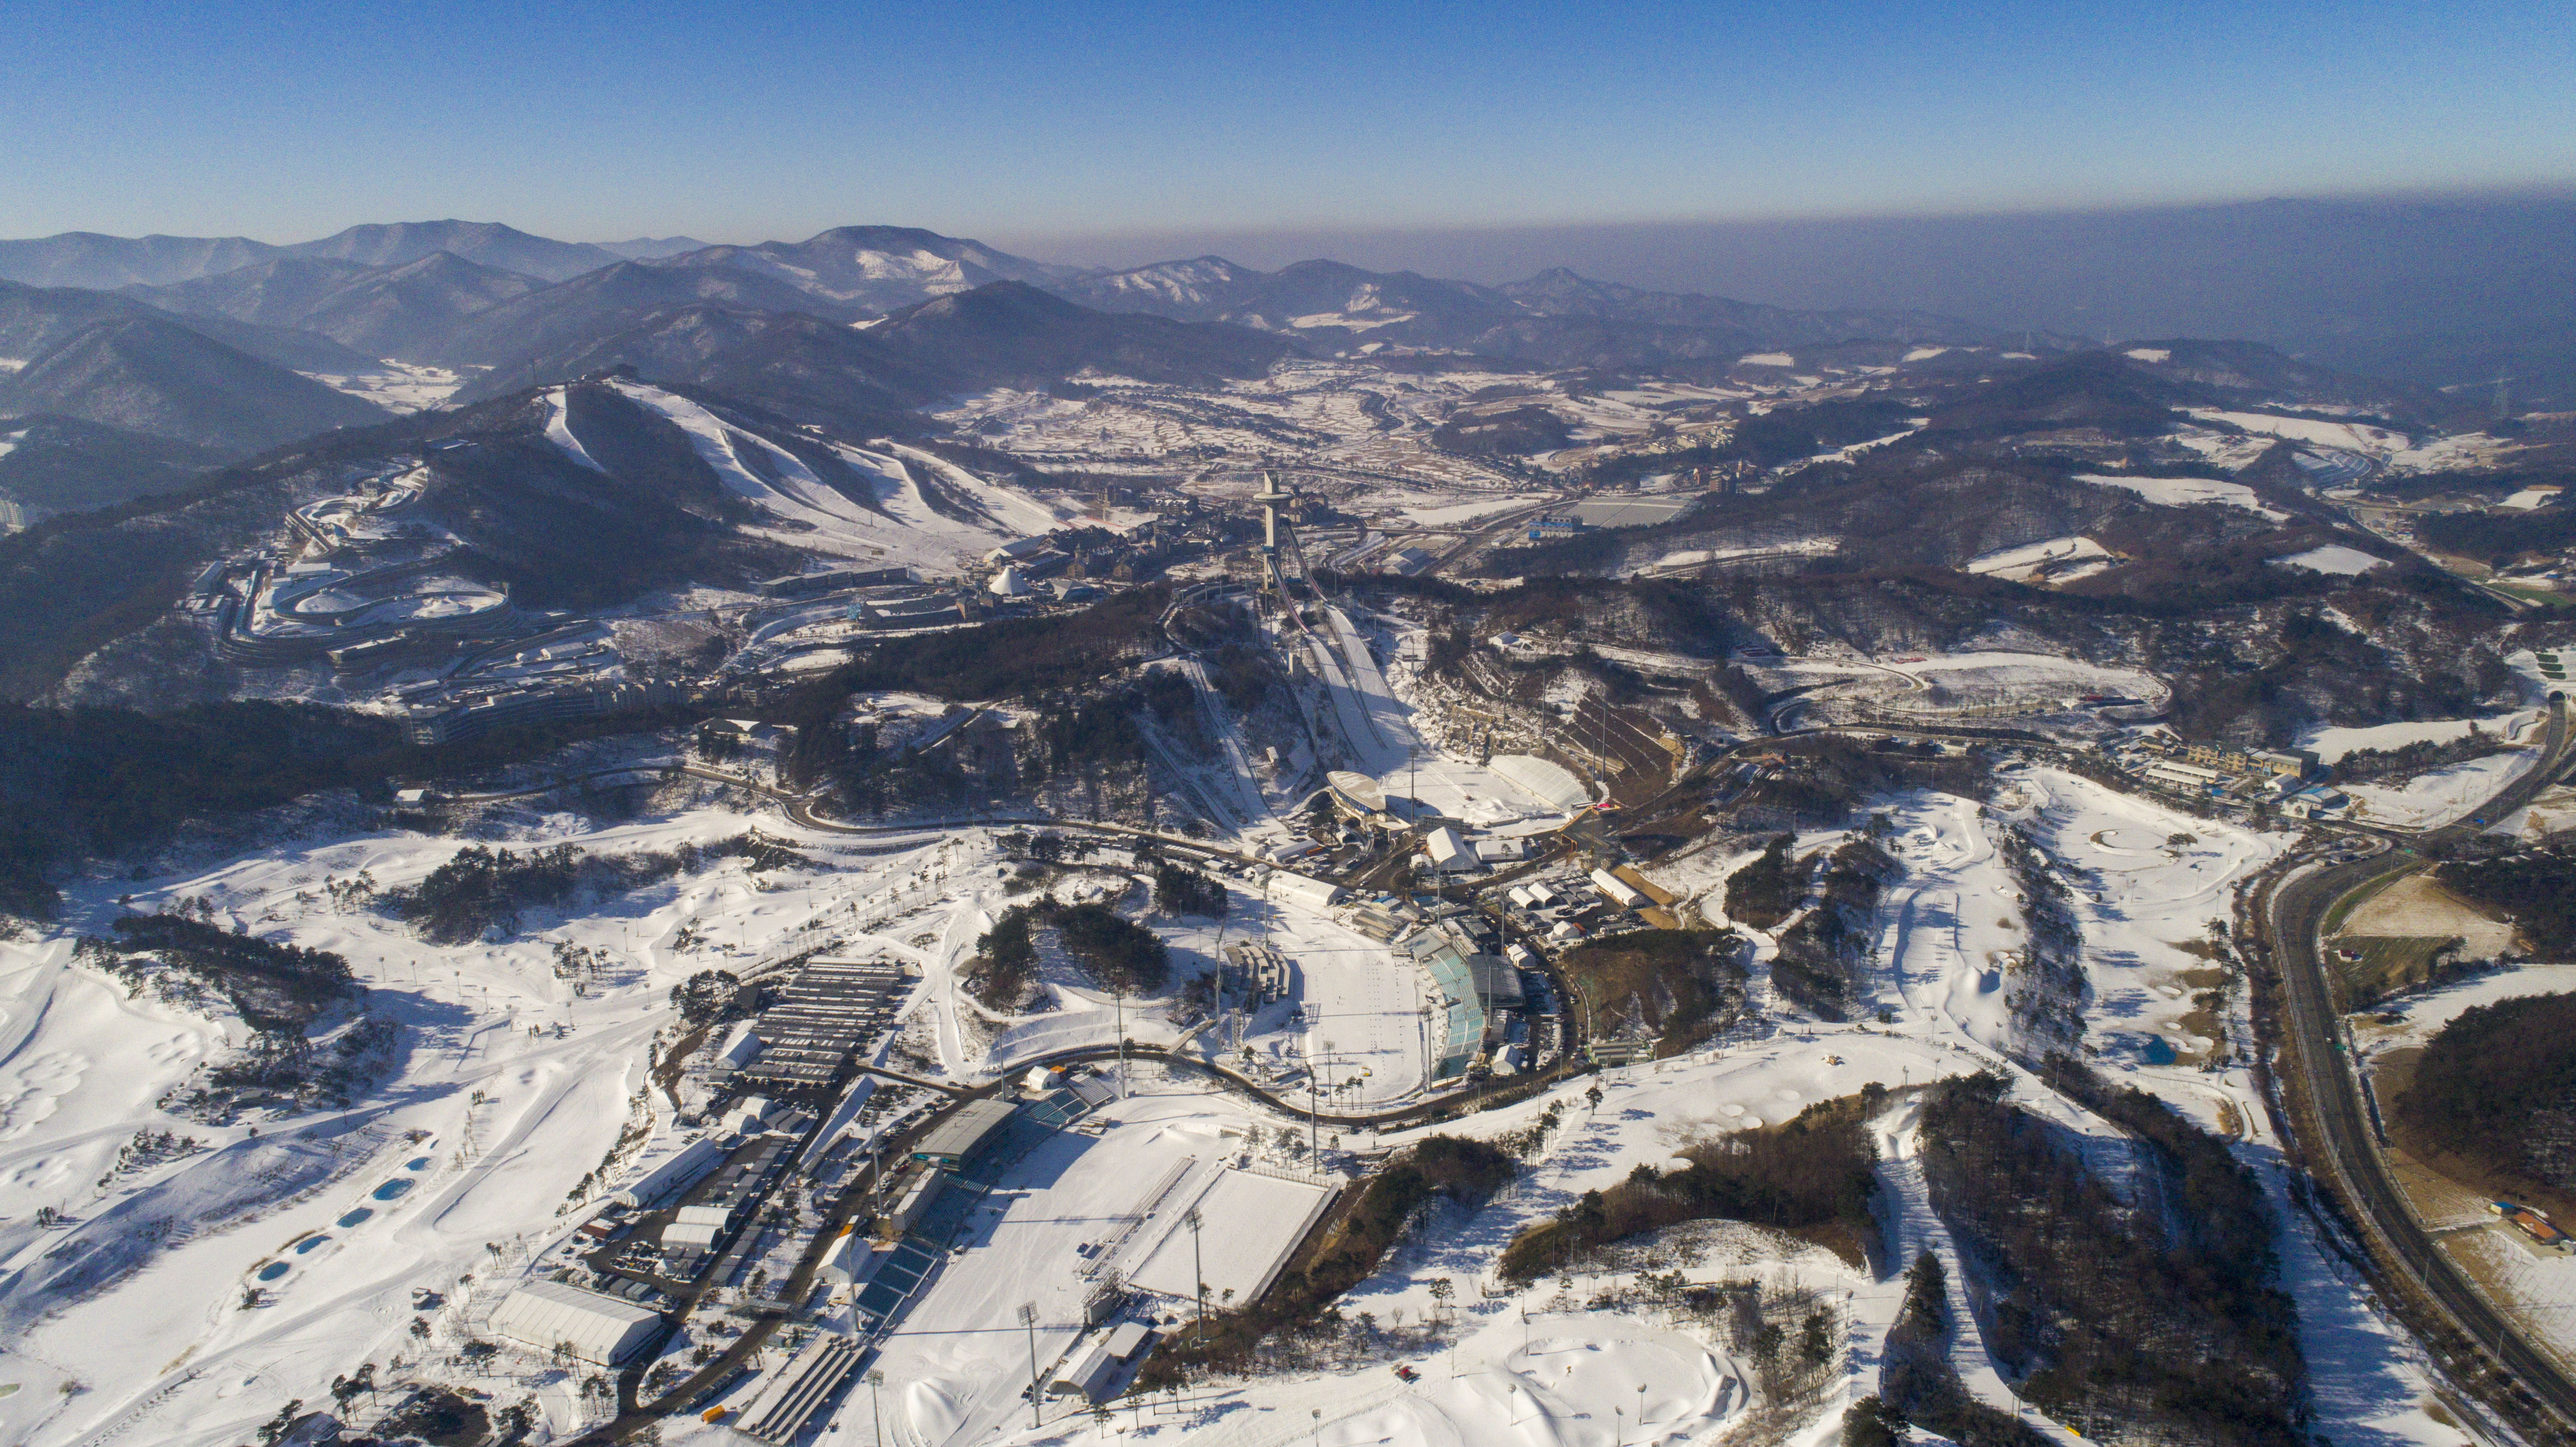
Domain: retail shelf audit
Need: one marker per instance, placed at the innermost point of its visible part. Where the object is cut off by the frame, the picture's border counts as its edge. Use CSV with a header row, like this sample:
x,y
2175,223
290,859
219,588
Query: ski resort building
x,y
961,1135
792,1397
818,1021
600,1329
1448,853
1618,891
1460,1019
740,1048
672,1176
1305,890
1547,782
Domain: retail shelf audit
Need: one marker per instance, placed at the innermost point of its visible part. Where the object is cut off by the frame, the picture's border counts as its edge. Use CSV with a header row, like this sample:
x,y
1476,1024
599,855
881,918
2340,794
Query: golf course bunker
x,y
2129,839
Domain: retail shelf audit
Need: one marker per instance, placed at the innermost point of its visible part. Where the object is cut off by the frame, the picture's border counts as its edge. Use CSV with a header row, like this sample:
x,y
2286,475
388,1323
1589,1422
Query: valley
x,y
870,839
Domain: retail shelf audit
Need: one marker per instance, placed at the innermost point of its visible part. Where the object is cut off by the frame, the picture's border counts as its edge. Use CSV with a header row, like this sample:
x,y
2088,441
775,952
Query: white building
x,y
700,1234
1008,583
673,1175
1304,890
1448,853
740,1048
2180,776
1619,891
1019,548
600,1329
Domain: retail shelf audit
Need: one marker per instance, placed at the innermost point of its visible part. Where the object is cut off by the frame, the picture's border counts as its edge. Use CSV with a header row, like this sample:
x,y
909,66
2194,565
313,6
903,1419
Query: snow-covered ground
x,y
2439,796
1461,513
401,387
903,528
454,1167
2333,558
2331,743
2186,491
507,1121
2358,437
1378,727
2058,559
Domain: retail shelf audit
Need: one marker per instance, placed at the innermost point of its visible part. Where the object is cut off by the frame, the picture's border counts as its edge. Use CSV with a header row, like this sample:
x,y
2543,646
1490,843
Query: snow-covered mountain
x,y
876,268
407,311
161,378
35,319
487,243
1555,318
653,248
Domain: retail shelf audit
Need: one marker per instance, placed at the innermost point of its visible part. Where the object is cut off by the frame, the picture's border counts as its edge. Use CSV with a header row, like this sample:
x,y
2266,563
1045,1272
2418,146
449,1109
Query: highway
x,y
2293,914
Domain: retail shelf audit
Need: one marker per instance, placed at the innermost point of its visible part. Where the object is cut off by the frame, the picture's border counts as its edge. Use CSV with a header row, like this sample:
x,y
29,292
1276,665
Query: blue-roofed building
x,y
1466,989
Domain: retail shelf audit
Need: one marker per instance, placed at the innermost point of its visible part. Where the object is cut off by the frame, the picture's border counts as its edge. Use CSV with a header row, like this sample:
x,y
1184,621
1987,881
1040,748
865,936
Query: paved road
x,y
2312,1030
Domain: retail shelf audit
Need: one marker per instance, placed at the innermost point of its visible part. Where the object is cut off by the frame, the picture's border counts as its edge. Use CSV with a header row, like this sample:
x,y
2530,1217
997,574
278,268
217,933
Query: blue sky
x,y
1020,123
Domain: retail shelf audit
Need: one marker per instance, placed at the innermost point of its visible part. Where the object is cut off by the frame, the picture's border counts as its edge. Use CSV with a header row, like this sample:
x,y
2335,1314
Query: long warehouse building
x,y
602,1330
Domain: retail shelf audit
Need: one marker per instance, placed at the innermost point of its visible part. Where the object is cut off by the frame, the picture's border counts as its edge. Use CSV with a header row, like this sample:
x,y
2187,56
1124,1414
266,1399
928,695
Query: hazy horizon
x,y
1004,120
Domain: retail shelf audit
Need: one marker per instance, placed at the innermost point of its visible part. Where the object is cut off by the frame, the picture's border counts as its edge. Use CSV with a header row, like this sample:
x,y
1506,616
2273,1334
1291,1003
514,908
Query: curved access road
x,y
2292,918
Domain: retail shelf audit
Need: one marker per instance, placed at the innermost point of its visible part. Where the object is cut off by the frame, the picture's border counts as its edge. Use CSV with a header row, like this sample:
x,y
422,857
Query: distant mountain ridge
x,y
1555,318
159,377
35,319
405,312
653,248
816,370
876,268
105,263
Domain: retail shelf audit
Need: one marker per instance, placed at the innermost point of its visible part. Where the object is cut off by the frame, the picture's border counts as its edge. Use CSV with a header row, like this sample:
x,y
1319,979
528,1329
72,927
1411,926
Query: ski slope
x,y
902,528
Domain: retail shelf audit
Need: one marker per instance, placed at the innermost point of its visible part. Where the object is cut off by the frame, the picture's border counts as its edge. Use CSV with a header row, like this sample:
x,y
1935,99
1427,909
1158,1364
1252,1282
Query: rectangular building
x,y
957,1138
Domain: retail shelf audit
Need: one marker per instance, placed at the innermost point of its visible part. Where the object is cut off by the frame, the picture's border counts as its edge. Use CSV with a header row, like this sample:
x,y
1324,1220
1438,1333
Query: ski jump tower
x,y
1273,581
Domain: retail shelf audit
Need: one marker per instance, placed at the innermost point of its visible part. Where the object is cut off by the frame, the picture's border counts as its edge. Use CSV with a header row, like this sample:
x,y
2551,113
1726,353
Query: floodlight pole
x,y
1029,1319
1198,1266
876,1394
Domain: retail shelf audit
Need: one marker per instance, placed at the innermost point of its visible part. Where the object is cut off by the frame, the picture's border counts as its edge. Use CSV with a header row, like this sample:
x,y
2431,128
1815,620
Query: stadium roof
x,y
957,1137
1542,780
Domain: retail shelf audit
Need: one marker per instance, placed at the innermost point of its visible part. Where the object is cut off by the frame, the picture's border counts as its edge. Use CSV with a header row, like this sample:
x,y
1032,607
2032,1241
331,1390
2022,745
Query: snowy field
x,y
1352,1006
2333,558
2330,743
810,514
453,1168
2186,491
2057,559
1462,513
2358,437
2438,796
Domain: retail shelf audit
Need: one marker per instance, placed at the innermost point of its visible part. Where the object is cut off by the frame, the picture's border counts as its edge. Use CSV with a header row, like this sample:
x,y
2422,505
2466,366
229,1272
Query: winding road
x,y
2293,915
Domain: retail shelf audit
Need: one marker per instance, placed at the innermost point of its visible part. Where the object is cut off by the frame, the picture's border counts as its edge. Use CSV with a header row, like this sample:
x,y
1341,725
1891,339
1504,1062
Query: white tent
x,y
673,1174
1304,890
601,1329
